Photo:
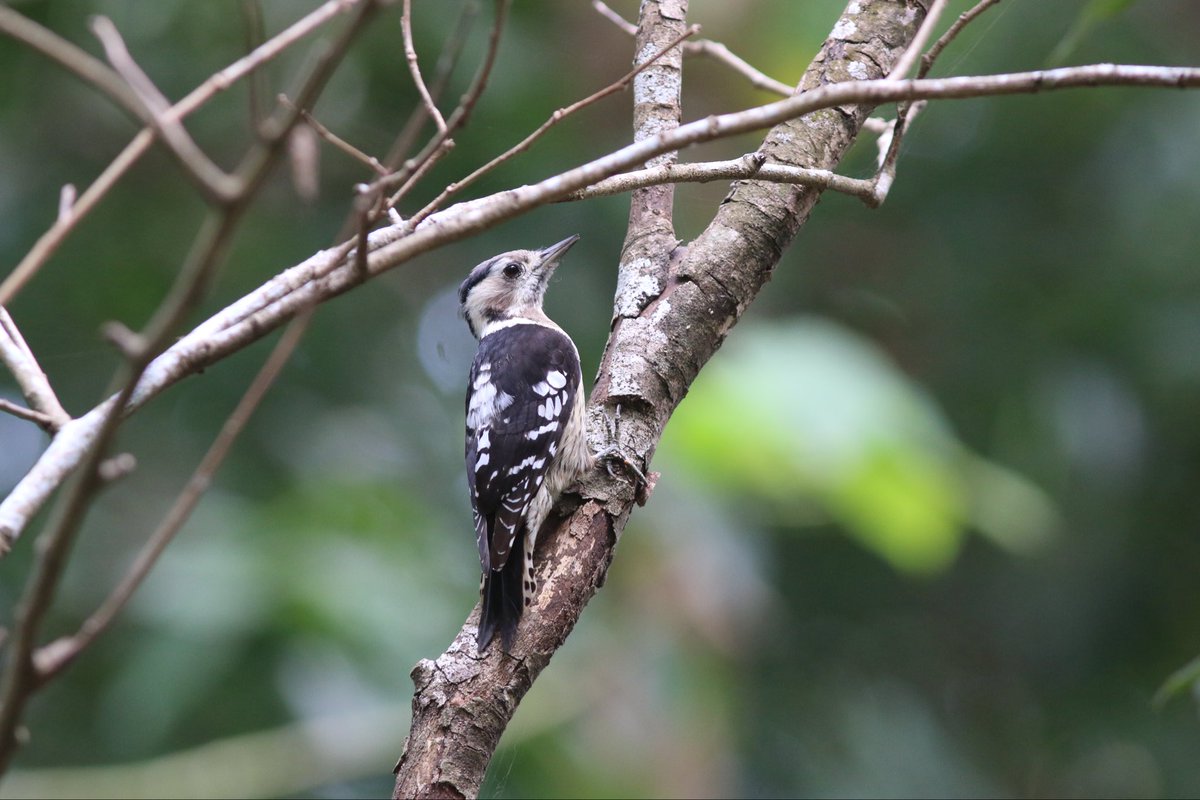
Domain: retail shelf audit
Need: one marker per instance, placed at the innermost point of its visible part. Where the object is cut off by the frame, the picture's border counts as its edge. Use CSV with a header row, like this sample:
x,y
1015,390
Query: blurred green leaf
x,y
1180,681
904,506
824,421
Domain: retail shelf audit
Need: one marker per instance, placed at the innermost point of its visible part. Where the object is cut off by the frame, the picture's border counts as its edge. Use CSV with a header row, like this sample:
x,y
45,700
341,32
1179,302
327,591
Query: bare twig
x,y
907,111
50,241
414,68
52,658
252,23
371,162
615,18
710,49
555,118
34,384
85,66
890,138
963,20
445,147
66,200
435,148
212,181
721,53
43,421
447,61
451,51
913,51
751,165
415,168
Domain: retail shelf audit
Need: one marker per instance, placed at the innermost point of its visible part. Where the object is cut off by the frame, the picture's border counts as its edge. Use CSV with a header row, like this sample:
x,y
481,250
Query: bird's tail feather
x,y
503,600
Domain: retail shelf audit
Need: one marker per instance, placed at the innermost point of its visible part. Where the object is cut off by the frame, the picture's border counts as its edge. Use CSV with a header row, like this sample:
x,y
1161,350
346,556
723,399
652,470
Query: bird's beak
x,y
551,255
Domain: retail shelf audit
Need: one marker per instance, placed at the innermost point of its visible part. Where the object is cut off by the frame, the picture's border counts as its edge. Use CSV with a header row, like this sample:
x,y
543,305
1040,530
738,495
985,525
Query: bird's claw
x,y
613,452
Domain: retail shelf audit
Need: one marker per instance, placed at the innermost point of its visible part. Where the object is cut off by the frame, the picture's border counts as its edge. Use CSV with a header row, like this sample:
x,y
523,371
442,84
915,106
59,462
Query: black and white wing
x,y
523,385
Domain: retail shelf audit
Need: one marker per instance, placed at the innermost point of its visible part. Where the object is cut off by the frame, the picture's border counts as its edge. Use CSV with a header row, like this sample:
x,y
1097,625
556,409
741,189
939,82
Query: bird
x,y
526,438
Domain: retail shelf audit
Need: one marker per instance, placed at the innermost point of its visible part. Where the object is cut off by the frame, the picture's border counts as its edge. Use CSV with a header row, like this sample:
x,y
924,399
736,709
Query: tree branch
x,y
328,274
913,51
558,116
410,53
52,658
891,138
43,421
19,680
722,54
751,165
447,61
50,241
963,20
708,48
458,118
217,187
34,384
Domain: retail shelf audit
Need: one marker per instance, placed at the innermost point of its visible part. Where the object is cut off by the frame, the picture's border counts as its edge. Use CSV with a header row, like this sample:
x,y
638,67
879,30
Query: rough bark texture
x,y
463,702
650,237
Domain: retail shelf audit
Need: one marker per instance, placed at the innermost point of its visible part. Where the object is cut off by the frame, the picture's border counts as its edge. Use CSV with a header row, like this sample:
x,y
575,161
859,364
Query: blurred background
x,y
927,524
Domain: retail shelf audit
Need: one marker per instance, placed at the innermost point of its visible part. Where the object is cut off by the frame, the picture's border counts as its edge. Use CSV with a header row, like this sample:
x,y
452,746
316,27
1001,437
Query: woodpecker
x,y
526,436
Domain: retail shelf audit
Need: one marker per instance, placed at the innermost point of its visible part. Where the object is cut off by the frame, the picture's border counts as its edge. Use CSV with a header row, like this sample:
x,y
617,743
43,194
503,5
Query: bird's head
x,y
510,285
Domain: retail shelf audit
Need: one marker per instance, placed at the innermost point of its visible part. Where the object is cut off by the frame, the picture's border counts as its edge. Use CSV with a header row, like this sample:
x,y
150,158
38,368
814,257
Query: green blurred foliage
x,y
927,524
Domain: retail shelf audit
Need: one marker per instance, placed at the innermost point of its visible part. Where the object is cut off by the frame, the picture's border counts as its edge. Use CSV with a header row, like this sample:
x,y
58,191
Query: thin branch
x,y
710,49
913,51
906,112
414,68
555,118
66,200
616,19
328,274
371,162
417,167
85,66
52,658
212,181
252,24
445,147
721,53
963,20
50,241
447,61
751,165
434,148
43,421
209,249
34,384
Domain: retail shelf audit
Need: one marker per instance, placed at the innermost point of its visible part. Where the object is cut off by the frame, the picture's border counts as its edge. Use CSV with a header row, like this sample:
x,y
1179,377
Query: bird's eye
x,y
512,270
